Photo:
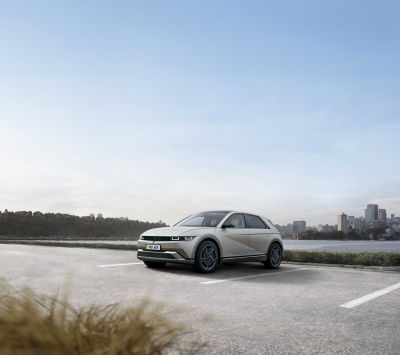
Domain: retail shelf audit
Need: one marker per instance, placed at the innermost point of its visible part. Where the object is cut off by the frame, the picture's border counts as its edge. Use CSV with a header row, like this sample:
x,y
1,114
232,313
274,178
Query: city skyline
x,y
372,213
159,110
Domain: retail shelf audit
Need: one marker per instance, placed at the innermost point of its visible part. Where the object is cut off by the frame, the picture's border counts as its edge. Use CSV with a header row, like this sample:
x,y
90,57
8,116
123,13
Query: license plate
x,y
153,247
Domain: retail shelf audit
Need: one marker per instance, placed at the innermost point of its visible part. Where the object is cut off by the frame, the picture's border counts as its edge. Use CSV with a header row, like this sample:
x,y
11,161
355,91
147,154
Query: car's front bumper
x,y
167,256
171,251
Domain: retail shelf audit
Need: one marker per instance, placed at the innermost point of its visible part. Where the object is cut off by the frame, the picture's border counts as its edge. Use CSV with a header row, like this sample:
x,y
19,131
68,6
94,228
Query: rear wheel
x,y
154,264
274,257
206,259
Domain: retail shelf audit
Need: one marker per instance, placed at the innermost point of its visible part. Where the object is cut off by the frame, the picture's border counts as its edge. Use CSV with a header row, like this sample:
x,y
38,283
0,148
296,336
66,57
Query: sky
x,y
154,110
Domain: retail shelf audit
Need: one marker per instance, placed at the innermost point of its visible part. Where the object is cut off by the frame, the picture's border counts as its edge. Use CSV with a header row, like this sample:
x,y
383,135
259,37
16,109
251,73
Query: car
x,y
207,239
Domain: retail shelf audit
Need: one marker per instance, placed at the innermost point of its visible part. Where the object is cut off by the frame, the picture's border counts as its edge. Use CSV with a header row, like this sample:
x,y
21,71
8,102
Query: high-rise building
x,y
392,216
350,221
342,224
299,227
359,223
382,215
377,224
371,213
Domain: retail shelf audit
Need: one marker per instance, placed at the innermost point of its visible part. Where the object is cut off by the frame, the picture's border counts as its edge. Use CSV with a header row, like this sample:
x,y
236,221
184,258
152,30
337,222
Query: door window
x,y
255,222
236,220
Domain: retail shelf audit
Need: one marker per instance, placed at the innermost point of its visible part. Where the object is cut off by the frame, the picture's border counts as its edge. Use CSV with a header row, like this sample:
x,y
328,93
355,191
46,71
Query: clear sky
x,y
157,109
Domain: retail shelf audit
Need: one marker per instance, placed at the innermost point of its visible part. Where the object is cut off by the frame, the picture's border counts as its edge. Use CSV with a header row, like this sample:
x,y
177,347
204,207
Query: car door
x,y
235,237
261,234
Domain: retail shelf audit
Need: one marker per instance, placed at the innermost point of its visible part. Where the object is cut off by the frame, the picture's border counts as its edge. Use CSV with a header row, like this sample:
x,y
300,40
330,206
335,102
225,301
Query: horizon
x,y
96,216
156,111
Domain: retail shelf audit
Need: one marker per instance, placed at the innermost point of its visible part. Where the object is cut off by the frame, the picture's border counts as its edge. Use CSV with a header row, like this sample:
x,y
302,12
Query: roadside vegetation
x,y
33,324
368,234
322,257
38,225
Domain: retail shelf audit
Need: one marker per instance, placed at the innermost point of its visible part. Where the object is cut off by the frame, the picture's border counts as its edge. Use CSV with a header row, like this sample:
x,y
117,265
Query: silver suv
x,y
207,239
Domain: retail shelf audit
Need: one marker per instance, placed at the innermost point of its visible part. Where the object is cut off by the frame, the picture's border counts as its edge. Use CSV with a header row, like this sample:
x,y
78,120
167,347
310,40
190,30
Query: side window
x,y
255,222
237,220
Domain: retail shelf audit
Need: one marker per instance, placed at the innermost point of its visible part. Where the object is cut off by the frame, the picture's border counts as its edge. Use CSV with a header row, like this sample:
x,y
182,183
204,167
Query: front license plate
x,y
153,247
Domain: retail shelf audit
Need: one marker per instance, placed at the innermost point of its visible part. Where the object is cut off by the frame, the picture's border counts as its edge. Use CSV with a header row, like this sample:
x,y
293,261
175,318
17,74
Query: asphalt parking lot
x,y
240,309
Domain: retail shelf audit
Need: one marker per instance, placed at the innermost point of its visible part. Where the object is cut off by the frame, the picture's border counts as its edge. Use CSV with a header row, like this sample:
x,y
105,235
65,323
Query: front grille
x,y
156,239
161,239
156,254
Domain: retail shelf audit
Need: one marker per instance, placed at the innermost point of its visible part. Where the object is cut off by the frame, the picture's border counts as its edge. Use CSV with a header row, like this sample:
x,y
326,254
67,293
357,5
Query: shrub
x,y
32,324
322,257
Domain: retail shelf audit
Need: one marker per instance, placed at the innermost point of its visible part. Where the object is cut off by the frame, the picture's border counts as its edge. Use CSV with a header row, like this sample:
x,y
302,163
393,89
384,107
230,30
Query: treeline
x,y
25,224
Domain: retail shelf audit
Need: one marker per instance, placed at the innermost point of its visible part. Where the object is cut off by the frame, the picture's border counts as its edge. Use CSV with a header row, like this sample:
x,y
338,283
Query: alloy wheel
x,y
208,256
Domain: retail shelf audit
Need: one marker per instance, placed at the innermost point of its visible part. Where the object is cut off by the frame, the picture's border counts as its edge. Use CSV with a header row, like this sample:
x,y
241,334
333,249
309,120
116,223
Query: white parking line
x,y
251,276
126,264
370,296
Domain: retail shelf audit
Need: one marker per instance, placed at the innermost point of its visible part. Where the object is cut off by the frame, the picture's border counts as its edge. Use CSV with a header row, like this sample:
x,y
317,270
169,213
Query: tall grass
x,y
37,325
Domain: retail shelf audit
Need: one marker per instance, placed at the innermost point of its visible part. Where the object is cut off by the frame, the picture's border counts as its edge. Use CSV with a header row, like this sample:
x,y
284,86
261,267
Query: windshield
x,y
203,219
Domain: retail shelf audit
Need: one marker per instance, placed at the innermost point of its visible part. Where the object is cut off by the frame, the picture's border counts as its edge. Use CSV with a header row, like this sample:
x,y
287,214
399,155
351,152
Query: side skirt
x,y
246,258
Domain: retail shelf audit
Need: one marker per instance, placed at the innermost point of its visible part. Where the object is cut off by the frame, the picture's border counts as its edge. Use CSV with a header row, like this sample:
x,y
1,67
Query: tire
x,y
274,256
154,264
207,256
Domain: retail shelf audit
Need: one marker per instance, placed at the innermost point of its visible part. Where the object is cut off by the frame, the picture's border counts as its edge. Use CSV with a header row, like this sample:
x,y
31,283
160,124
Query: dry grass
x,y
37,325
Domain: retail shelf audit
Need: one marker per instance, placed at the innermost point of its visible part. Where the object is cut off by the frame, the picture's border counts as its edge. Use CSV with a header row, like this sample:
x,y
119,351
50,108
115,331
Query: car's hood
x,y
178,231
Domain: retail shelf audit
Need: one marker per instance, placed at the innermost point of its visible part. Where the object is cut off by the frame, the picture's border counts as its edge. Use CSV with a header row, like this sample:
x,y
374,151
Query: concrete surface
x,y
240,309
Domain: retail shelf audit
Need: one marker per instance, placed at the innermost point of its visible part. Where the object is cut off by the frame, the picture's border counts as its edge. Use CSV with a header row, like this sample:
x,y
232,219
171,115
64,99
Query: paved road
x,y
240,309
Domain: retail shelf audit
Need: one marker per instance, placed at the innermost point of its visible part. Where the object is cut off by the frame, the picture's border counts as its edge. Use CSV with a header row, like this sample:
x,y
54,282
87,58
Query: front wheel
x,y
206,259
274,257
154,264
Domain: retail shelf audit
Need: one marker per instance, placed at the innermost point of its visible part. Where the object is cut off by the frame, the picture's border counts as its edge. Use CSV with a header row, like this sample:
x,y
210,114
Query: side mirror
x,y
228,225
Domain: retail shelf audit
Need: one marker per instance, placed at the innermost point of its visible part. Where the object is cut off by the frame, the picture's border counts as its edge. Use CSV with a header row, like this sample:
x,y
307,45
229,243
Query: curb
x,y
358,267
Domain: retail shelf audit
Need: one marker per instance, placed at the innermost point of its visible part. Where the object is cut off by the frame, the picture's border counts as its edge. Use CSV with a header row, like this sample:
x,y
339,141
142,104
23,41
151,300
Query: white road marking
x,y
251,276
126,264
370,296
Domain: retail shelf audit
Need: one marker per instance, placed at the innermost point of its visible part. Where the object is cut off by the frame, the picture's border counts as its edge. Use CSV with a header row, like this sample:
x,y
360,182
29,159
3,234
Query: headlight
x,y
182,239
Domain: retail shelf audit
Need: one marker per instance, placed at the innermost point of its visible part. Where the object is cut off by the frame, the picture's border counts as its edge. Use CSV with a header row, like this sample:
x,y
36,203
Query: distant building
x,y
371,213
359,223
299,227
326,228
377,224
392,216
342,224
350,221
286,231
382,215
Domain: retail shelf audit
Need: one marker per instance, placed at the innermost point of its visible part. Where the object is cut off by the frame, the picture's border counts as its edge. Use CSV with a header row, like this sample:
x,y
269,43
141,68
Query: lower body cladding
x,y
182,253
172,256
